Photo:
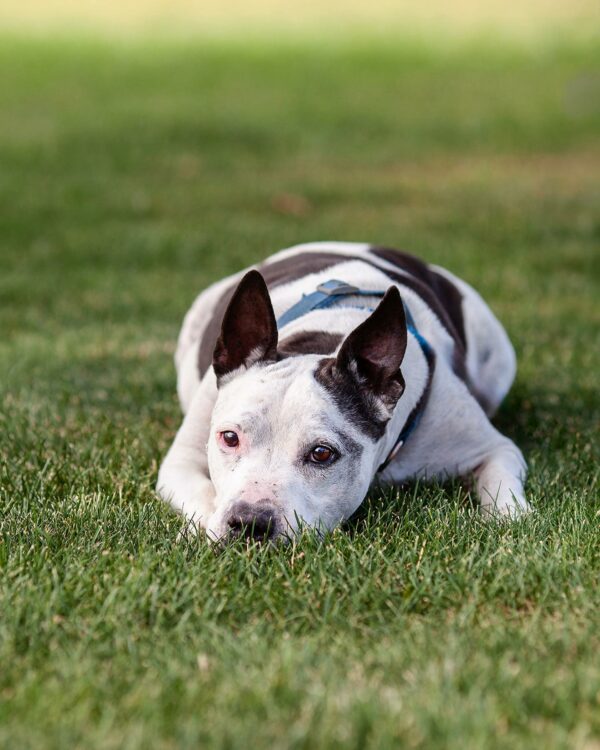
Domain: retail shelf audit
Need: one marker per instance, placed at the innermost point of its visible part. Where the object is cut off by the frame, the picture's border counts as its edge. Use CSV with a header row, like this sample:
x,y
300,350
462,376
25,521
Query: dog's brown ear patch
x,y
374,351
249,329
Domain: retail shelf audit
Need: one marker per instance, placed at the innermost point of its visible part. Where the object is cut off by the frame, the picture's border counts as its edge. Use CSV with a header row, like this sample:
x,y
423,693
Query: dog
x,y
327,369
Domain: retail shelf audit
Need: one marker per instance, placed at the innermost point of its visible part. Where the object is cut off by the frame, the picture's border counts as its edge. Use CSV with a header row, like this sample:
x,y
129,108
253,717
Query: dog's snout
x,y
258,522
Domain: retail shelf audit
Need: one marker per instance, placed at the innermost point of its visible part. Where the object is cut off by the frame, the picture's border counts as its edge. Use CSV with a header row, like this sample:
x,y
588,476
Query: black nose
x,y
256,522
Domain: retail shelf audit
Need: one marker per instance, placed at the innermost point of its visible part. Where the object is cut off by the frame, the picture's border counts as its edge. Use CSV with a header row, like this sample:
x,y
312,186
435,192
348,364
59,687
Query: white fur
x,y
282,408
280,416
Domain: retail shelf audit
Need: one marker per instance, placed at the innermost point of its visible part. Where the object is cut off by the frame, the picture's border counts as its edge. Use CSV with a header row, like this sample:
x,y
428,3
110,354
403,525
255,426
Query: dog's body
x,y
291,425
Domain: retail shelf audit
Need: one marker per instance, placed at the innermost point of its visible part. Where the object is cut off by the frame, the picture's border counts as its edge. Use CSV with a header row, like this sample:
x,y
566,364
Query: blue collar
x,y
326,295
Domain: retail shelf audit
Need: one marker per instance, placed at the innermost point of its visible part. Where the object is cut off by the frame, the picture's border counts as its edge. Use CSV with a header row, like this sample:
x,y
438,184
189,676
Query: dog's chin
x,y
222,539
221,535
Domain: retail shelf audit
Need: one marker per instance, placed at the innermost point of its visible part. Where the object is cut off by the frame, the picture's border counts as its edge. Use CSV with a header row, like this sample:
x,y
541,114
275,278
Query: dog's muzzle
x,y
258,522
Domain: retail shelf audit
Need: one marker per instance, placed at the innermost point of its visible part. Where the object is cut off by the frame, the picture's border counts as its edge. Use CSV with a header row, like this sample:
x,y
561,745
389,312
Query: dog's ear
x,y
373,352
249,329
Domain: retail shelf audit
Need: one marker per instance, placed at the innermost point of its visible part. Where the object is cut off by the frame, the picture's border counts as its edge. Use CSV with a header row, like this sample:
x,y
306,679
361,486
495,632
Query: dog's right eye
x,y
230,438
322,454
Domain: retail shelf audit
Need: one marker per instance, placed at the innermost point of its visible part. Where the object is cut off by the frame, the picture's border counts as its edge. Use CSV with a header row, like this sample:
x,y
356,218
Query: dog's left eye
x,y
322,454
230,438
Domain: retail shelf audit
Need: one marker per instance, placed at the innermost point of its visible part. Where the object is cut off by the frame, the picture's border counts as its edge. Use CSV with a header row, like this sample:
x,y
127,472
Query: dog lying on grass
x,y
326,369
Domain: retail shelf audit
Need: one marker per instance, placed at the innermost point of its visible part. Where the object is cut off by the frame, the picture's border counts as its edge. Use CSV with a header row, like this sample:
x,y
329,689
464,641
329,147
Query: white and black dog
x,y
327,368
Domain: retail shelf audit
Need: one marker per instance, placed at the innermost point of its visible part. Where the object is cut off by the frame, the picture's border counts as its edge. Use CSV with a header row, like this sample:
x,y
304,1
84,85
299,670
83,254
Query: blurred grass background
x,y
147,149
529,20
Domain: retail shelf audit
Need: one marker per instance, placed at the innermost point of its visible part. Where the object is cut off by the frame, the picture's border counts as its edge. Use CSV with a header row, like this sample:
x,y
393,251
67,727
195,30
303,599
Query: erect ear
x,y
249,329
374,351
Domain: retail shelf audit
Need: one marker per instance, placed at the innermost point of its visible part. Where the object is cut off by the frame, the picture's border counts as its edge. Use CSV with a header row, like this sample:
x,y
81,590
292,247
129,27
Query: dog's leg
x,y
456,438
500,481
183,479
498,466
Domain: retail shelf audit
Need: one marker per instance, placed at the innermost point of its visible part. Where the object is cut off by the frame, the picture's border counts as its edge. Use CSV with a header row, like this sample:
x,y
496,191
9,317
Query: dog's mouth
x,y
253,532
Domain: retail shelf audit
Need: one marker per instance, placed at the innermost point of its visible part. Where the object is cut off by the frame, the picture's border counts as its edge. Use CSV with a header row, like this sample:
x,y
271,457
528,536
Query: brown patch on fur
x,y
309,342
440,294
289,269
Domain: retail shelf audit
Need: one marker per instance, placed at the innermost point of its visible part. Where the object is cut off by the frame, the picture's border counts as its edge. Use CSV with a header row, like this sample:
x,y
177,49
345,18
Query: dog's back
x,y
480,351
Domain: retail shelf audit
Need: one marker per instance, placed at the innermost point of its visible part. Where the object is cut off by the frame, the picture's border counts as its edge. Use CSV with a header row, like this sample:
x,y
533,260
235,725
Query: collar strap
x,y
326,295
417,412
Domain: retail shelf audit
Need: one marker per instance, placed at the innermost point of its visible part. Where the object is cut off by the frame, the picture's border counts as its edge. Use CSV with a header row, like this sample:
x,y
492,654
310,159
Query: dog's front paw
x,y
190,494
506,503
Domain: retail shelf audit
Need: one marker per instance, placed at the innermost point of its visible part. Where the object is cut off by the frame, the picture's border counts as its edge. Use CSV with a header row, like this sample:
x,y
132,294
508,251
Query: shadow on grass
x,y
539,418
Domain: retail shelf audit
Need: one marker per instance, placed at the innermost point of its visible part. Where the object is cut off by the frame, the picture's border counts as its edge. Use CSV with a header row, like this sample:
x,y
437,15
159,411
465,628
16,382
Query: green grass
x,y
130,177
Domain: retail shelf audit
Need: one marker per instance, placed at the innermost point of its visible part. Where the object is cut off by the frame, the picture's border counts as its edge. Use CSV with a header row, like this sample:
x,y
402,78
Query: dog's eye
x,y
230,438
322,454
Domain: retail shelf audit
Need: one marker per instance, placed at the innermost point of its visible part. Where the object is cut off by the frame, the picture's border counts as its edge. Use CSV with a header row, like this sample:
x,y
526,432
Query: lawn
x,y
131,175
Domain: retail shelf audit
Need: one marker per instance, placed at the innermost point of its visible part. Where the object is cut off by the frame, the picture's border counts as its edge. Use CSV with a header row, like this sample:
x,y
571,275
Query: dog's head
x,y
296,440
